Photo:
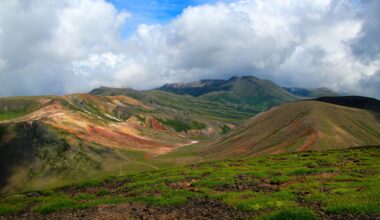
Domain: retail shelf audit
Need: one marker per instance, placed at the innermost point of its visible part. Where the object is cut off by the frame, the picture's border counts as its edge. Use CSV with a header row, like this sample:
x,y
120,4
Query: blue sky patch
x,y
153,11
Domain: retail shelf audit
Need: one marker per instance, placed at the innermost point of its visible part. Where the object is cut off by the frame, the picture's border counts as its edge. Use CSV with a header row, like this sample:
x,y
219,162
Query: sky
x,y
69,46
153,12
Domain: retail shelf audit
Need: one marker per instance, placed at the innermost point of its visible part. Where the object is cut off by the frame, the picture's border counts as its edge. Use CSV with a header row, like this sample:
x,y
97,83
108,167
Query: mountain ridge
x,y
247,93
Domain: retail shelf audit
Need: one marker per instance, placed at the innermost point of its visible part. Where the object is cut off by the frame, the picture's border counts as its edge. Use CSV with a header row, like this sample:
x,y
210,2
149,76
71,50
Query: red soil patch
x,y
156,125
311,137
241,150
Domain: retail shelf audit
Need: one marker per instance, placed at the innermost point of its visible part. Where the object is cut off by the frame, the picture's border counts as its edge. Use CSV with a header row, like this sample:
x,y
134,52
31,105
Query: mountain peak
x,y
235,78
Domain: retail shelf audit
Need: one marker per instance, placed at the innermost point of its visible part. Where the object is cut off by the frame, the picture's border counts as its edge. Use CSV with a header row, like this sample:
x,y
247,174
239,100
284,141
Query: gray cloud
x,y
371,84
75,46
367,45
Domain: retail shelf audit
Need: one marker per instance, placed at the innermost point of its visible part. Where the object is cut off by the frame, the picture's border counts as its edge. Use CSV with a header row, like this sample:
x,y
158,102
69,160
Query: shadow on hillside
x,y
354,102
18,149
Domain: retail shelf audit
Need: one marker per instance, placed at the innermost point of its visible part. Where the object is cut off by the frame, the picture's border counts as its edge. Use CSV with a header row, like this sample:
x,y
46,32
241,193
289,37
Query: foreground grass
x,y
305,185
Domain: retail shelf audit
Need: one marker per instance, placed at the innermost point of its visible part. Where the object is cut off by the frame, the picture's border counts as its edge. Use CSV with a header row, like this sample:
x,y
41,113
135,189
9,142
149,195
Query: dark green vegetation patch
x,y
180,125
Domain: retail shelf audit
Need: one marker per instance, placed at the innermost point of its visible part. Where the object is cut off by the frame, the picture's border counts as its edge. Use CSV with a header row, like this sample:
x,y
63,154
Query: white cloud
x,y
75,45
94,62
40,39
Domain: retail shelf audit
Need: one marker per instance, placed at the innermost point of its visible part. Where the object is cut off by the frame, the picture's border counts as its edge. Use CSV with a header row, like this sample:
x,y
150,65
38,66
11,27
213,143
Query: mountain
x,y
312,93
245,91
235,98
51,140
181,105
302,126
46,141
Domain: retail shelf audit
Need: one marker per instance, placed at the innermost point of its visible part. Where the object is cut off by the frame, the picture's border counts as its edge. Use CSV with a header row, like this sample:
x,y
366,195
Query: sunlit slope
x,y
300,126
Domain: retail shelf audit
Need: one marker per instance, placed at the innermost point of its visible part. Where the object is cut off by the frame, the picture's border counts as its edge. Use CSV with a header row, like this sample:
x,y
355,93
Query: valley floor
x,y
337,184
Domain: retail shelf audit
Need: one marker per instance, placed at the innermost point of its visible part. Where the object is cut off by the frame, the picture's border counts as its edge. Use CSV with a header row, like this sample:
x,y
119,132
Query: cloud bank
x,y
75,45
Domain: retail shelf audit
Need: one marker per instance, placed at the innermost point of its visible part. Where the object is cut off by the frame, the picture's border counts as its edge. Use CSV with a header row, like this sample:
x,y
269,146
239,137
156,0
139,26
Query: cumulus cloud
x,y
40,39
367,45
75,45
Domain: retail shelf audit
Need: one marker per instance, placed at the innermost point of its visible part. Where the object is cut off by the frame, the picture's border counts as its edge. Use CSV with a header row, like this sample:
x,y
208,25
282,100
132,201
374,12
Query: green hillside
x,y
245,91
185,105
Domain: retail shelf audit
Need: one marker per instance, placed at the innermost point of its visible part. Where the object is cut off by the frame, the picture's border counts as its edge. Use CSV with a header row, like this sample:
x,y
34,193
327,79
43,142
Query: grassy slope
x,y
296,185
252,92
305,125
246,93
13,107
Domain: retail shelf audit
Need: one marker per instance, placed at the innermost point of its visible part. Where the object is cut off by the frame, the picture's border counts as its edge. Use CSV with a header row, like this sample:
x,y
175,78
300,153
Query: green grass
x,y
179,125
14,107
272,187
11,115
12,204
52,204
292,214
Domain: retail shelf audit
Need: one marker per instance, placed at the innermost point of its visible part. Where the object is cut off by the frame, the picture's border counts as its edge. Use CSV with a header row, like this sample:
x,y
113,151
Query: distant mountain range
x,y
247,93
312,93
53,140
249,86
